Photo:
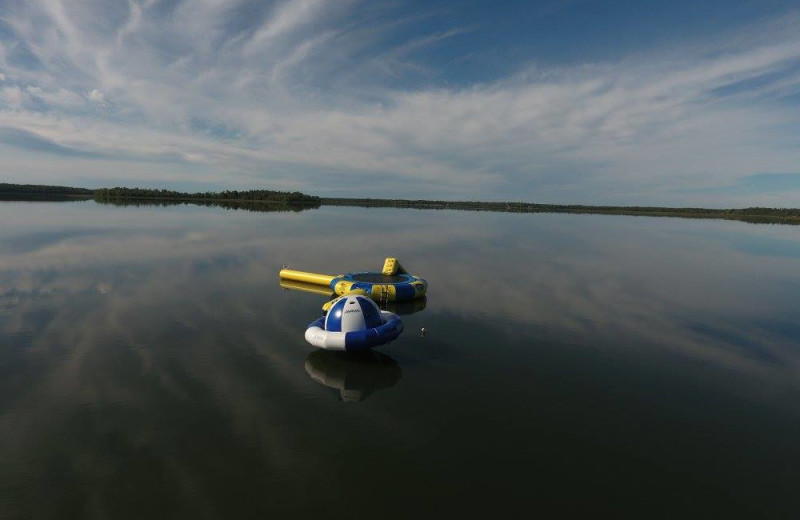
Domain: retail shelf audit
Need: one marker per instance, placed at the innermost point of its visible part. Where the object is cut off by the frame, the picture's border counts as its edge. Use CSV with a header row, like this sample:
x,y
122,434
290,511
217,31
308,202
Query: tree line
x,y
37,189
293,197
233,197
752,214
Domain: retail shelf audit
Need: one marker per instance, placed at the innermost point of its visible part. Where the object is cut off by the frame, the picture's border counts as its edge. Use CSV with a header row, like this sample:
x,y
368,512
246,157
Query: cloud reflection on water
x,y
145,342
608,277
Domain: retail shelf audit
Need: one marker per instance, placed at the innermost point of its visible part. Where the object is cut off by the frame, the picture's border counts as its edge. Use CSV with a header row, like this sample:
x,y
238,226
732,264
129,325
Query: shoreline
x,y
17,192
754,214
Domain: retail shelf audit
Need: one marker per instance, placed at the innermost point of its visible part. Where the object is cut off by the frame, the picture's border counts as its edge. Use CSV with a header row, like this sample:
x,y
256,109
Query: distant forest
x,y
246,205
20,189
294,197
753,215
43,192
259,200
23,192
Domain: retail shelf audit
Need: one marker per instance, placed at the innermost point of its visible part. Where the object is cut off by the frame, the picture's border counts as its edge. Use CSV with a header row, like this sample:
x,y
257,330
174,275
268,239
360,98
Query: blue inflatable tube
x,y
356,340
381,287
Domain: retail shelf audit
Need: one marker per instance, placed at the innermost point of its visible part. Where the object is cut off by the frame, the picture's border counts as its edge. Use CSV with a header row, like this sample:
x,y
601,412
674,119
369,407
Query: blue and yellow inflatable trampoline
x,y
392,284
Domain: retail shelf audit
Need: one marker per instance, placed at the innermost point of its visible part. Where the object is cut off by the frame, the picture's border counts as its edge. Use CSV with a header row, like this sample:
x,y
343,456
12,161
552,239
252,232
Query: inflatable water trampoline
x,y
392,284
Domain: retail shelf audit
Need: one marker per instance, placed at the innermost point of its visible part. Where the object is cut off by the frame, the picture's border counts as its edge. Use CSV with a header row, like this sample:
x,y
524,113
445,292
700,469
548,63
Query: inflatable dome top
x,y
353,322
353,313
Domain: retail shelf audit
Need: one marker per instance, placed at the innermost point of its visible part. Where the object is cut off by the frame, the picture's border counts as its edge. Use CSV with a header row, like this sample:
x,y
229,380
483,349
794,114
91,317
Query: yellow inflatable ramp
x,y
391,266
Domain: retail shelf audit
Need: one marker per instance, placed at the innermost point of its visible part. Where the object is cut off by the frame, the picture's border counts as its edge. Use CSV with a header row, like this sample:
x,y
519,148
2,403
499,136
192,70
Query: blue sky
x,y
571,101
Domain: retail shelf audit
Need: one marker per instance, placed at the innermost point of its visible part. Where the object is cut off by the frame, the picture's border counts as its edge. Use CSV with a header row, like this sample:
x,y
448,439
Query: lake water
x,y
151,366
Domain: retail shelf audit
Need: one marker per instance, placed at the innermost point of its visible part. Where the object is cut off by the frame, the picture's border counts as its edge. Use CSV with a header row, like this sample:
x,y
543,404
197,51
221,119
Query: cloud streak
x,y
296,93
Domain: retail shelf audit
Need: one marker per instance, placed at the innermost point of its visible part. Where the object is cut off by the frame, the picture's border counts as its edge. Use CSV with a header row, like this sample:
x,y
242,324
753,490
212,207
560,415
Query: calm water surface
x,y
152,367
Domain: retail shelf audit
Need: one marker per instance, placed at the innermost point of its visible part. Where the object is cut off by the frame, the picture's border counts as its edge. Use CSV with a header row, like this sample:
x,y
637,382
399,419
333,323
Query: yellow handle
x,y
300,276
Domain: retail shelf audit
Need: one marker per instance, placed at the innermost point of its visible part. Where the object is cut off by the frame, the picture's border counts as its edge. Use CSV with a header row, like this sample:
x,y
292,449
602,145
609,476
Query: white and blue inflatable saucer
x,y
353,323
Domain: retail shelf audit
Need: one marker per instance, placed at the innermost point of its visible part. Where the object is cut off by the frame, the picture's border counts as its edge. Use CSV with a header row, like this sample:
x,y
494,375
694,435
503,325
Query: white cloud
x,y
14,96
302,89
60,98
287,17
97,97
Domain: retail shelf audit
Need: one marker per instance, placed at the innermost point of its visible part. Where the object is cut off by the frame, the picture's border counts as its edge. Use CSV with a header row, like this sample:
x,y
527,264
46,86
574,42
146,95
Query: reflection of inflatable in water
x,y
406,308
353,323
293,285
354,375
393,283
